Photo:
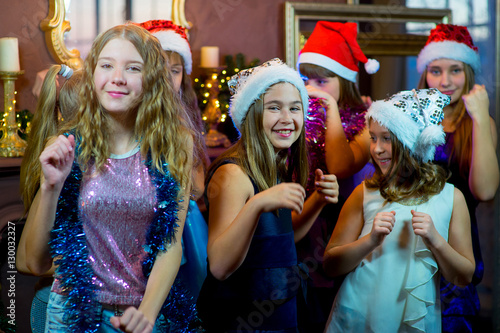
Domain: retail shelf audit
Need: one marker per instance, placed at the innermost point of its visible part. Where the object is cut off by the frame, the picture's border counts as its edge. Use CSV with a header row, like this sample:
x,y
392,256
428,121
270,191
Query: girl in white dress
x,y
401,228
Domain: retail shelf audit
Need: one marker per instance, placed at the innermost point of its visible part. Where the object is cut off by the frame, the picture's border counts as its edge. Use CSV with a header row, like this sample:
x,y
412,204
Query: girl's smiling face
x,y
380,145
283,116
118,76
448,76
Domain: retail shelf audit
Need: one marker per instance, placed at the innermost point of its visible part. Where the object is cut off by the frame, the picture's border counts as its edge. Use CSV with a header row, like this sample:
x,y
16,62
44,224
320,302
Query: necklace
x,y
414,201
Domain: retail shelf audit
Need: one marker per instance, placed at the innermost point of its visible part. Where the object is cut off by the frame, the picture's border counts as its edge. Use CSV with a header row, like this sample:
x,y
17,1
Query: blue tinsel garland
x,y
69,248
179,308
162,229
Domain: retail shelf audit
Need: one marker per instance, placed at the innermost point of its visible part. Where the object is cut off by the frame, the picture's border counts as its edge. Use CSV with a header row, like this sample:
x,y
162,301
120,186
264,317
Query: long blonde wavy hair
x,y
161,126
45,124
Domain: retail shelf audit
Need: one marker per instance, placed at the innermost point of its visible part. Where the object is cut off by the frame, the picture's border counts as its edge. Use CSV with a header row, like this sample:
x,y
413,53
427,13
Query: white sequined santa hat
x,y
172,38
451,42
248,85
333,45
414,117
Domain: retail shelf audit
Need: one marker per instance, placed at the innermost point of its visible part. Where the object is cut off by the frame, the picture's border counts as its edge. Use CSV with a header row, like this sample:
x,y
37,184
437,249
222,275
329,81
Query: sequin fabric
x,y
449,32
116,208
424,106
239,80
353,122
75,277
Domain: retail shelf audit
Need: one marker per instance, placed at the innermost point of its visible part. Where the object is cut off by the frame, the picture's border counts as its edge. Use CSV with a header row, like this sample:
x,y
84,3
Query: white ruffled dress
x,y
395,288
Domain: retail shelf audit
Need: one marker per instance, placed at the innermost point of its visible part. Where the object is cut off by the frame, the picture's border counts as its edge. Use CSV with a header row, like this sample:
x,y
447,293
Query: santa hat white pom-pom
x,y
372,66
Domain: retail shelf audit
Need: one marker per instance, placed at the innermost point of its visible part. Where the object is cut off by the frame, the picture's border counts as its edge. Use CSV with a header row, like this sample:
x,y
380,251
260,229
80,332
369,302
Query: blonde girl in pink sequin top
x,y
129,115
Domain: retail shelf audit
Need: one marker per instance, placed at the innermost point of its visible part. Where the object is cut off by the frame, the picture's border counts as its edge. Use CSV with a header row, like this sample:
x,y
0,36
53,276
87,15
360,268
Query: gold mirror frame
x,y
55,25
373,44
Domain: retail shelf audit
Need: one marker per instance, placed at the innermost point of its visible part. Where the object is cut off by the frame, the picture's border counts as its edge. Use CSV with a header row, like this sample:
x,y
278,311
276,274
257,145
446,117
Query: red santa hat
x,y
333,45
172,38
451,42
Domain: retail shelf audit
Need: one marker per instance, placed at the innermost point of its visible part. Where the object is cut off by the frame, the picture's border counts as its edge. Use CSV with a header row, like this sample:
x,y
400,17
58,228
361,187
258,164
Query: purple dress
x,y
460,306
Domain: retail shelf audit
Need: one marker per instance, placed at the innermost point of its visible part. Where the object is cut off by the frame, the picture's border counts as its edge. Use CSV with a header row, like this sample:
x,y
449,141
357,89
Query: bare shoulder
x,y
460,210
357,195
350,221
354,203
229,180
458,198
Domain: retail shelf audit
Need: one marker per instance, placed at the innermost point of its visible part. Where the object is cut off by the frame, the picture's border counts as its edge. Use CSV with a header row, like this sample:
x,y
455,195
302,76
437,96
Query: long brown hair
x,y
349,94
44,125
407,178
255,154
461,152
161,126
190,101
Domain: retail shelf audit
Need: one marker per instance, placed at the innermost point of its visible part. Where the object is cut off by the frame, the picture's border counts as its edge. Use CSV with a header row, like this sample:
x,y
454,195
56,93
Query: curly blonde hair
x,y
162,126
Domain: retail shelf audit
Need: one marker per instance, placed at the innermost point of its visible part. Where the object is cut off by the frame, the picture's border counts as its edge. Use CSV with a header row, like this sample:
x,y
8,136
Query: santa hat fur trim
x,y
405,129
328,63
249,88
449,50
414,117
172,41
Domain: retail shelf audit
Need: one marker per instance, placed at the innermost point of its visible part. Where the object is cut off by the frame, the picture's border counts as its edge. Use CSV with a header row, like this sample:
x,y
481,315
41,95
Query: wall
x,y
22,20
254,28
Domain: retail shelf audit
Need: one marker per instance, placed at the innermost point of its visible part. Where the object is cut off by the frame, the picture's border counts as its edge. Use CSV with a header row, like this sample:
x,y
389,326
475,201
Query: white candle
x,y
209,56
9,55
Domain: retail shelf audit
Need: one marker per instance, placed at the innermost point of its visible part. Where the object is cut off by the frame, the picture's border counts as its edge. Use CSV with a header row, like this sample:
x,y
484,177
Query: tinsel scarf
x,y
69,249
353,122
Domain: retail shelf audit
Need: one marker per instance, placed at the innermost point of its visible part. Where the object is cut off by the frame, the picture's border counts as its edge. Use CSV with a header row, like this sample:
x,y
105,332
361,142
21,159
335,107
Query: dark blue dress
x,y
460,306
260,296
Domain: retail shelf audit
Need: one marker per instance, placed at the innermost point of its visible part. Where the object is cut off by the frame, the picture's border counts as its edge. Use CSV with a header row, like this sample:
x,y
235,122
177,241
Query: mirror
x,y
382,35
378,40
57,23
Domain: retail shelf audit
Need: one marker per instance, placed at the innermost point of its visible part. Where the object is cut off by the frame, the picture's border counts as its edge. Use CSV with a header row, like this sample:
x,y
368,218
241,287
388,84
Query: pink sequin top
x,y
116,208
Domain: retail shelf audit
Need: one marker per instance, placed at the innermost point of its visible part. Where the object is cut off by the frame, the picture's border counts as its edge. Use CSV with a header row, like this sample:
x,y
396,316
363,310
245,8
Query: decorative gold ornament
x,y
11,145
